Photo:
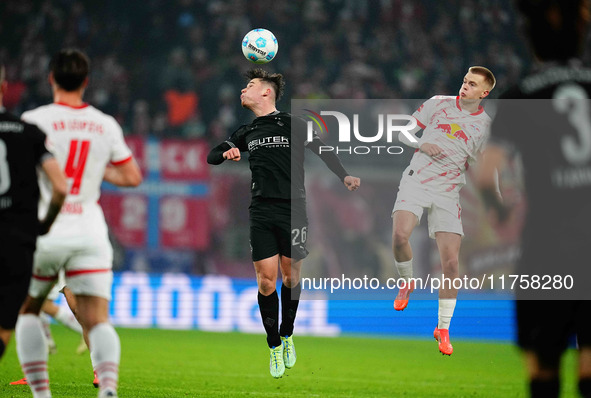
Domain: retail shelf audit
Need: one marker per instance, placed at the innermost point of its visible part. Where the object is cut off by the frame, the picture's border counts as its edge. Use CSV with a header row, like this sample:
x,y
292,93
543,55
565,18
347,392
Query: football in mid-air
x,y
260,46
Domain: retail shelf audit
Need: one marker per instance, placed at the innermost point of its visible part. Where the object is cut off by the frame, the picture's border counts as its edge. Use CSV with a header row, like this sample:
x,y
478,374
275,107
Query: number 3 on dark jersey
x,y
76,162
573,100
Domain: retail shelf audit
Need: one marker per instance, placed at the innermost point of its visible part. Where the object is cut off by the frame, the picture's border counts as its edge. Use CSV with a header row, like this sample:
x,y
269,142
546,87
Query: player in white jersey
x,y
454,132
89,147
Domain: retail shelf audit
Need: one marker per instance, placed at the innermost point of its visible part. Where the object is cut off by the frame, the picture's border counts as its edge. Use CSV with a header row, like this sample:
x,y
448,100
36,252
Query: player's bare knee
x,y
90,323
291,280
399,239
266,285
450,266
89,319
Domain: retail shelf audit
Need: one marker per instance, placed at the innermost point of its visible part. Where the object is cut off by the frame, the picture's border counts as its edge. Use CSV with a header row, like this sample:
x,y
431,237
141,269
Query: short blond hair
x,y
488,75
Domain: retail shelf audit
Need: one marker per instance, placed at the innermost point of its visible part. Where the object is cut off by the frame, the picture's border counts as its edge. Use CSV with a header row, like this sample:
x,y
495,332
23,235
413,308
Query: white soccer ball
x,y
260,46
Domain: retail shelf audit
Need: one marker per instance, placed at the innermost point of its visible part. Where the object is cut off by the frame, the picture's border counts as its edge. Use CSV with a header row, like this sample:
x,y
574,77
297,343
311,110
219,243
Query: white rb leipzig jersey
x,y
460,135
83,140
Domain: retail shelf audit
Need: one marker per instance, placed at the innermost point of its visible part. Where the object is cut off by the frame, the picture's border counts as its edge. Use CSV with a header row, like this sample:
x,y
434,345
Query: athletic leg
x,y
448,244
290,294
31,347
16,264
585,371
104,341
403,223
544,378
291,290
266,274
62,315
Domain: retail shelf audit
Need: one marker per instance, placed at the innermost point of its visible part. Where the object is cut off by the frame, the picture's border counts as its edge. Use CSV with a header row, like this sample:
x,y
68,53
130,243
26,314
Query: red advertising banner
x,y
127,217
184,160
184,223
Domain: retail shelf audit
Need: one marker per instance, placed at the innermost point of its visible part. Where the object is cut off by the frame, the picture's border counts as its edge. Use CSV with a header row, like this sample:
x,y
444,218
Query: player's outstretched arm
x,y
334,164
127,174
223,151
59,191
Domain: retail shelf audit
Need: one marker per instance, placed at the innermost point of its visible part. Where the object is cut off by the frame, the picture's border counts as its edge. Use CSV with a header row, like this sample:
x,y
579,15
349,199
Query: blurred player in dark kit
x,y
546,119
22,150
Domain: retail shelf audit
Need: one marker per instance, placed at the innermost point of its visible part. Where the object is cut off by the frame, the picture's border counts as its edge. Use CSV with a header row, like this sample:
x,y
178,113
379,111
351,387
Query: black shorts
x,y
16,268
545,327
278,226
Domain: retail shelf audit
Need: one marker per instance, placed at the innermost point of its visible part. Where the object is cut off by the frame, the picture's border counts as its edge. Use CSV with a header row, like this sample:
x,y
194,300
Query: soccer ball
x,y
259,46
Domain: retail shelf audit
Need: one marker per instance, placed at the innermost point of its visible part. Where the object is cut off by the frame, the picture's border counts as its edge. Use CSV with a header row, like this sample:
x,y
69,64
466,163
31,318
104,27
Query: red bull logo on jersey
x,y
453,131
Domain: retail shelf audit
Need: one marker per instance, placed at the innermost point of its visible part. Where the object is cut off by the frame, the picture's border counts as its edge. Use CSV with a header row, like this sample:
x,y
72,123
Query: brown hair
x,y
274,79
70,67
488,75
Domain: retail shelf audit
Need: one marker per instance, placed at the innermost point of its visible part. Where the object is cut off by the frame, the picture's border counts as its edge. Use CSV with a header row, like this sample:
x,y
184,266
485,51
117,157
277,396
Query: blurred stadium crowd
x,y
174,68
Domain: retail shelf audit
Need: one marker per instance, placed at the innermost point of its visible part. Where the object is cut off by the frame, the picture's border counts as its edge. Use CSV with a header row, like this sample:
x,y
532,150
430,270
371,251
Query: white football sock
x,y
45,322
105,351
68,319
404,268
446,311
31,347
92,359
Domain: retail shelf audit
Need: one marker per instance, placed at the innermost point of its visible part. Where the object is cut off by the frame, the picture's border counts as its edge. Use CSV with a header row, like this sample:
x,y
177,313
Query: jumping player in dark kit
x,y
278,223
22,149
546,118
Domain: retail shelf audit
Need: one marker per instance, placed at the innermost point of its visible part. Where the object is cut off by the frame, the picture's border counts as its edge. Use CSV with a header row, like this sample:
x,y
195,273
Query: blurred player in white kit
x,y
89,147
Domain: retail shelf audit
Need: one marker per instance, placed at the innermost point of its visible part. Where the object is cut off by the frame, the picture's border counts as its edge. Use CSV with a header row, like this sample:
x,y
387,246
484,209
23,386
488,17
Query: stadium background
x,y
171,73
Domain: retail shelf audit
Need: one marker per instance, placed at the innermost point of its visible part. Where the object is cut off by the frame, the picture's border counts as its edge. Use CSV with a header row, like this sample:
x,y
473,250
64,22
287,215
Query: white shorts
x,y
58,287
87,264
444,213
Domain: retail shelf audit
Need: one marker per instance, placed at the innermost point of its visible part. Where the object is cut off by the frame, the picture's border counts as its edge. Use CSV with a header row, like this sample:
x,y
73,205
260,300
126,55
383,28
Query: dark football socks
x,y
544,388
269,307
585,387
290,298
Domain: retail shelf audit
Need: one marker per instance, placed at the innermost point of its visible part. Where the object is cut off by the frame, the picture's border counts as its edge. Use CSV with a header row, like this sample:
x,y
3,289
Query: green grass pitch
x,y
163,363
